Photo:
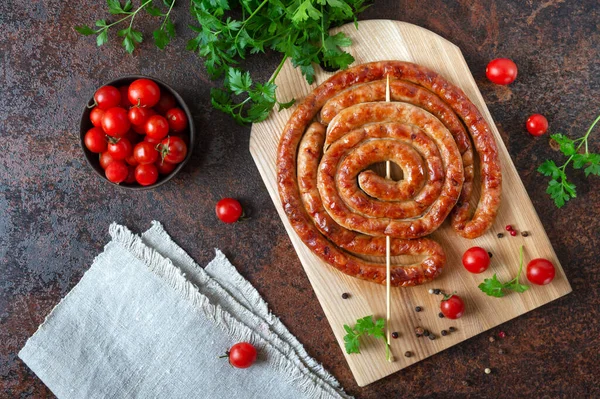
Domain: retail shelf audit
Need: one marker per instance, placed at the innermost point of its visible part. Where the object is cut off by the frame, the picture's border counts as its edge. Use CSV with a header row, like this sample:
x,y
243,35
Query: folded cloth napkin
x,y
146,321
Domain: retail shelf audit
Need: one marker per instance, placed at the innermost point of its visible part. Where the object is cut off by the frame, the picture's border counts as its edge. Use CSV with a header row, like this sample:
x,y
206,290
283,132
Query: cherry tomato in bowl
x,y
501,71
476,260
168,99
540,271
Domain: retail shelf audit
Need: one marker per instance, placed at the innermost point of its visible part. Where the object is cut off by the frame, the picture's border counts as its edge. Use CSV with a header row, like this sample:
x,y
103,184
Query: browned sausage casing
x,y
337,207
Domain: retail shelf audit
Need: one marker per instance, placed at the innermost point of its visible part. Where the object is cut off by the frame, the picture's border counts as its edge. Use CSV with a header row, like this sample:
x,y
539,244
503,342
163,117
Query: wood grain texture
x,y
383,40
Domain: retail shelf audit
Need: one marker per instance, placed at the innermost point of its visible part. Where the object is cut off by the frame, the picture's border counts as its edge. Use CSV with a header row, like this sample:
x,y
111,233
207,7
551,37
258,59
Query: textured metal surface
x,y
55,213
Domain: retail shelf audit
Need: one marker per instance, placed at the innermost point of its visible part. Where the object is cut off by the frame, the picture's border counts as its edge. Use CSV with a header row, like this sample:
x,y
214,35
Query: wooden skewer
x,y
388,304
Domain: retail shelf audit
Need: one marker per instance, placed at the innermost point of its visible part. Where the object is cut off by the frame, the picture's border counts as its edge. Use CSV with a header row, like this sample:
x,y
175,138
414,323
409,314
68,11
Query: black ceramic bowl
x,y
94,159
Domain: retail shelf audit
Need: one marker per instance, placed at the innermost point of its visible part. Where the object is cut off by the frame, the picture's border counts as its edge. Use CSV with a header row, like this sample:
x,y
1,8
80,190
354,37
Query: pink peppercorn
x,y
502,334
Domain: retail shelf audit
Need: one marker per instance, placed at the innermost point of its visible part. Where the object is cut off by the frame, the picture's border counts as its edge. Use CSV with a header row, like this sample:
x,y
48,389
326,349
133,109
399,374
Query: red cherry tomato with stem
x,y
117,171
537,124
95,140
173,149
166,102
107,97
145,153
242,355
229,210
540,271
476,260
96,116
120,149
144,93
115,122
452,306
501,71
177,119
146,174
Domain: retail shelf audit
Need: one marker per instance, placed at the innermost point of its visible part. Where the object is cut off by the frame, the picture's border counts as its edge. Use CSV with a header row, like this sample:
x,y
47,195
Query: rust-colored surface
x,y
55,213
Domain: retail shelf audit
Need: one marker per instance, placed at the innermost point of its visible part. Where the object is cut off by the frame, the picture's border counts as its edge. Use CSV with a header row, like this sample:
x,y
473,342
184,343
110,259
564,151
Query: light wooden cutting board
x,y
392,40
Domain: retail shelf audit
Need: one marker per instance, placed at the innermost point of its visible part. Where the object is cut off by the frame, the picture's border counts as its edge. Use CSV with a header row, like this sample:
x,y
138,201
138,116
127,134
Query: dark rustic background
x,y
55,212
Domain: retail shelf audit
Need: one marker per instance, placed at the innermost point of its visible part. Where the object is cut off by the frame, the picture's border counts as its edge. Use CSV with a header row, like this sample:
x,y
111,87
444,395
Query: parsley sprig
x,y
365,326
132,37
493,286
559,188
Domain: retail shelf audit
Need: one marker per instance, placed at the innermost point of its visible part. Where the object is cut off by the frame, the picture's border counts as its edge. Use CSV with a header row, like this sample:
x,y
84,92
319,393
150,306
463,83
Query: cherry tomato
x,y
166,102
145,153
173,149
107,97
177,119
120,149
144,93
138,116
453,307
476,260
117,171
131,176
105,159
540,271
124,90
501,71
96,116
157,127
115,122
165,168
182,136
152,140
229,210
131,161
242,355
146,174
139,129
95,140
537,124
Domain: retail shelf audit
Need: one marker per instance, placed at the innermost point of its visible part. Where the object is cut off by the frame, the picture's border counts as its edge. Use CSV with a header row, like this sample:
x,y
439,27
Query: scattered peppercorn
x,y
437,291
418,309
395,335
501,351
508,227
492,339
525,233
345,295
500,235
441,315
444,333
419,331
431,337
431,290
502,334
452,329
408,354
426,333
465,383
490,255
513,233
487,370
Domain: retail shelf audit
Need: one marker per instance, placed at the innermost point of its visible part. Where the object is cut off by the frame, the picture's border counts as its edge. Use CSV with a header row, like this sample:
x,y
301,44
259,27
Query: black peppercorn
x,y
431,337
500,235
345,295
426,333
418,309
408,354
525,233
490,255
444,333
419,331
395,335
437,291
452,329
441,315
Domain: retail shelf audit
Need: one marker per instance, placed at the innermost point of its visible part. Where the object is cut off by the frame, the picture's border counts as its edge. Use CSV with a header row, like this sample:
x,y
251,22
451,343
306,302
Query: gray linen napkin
x,y
146,321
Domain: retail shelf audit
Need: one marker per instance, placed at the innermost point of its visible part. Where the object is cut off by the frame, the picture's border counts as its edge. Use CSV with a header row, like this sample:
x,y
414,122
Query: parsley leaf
x,y
496,288
365,326
559,188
